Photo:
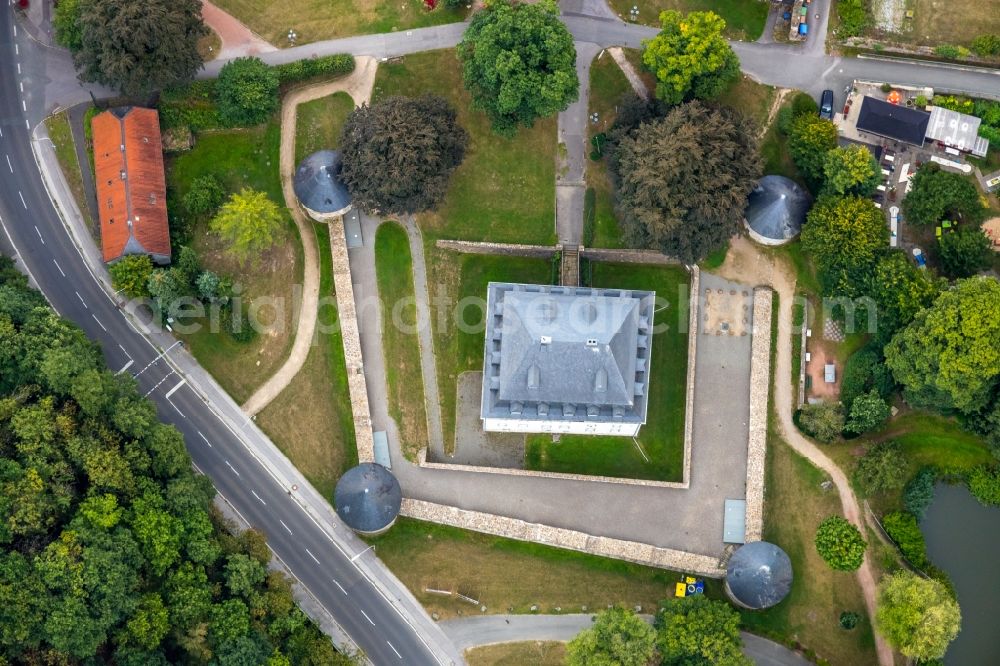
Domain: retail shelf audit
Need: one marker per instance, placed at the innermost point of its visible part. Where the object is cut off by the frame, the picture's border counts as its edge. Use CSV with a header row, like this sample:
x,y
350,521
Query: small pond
x,y
963,539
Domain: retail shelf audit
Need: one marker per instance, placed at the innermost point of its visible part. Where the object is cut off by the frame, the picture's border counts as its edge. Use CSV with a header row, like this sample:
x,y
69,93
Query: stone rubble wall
x,y
512,528
628,256
356,383
692,369
548,251
760,381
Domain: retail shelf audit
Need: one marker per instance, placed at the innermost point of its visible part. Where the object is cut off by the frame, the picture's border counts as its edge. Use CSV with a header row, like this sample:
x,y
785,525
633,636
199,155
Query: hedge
x,y
332,65
901,526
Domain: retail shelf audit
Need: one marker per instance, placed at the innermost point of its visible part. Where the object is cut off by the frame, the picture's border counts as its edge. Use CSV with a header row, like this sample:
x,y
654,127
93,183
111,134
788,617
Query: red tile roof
x,y
131,188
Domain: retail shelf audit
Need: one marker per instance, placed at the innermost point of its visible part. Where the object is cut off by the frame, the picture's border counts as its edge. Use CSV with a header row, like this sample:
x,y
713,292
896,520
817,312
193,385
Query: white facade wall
x,y
561,427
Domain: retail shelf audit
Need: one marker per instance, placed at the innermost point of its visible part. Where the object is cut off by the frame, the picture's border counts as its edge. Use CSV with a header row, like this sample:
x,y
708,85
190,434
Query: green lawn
x,y
662,438
315,20
465,276
929,439
504,191
319,122
241,158
750,98
62,140
774,152
394,268
311,420
536,653
744,18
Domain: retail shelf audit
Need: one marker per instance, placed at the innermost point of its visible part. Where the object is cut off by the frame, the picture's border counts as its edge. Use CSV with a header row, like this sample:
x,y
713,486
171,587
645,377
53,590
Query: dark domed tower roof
x,y
318,185
368,498
776,210
759,575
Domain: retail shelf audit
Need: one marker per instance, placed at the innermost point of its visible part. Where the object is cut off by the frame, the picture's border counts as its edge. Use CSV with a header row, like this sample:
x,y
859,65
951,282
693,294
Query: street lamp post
x,y
292,36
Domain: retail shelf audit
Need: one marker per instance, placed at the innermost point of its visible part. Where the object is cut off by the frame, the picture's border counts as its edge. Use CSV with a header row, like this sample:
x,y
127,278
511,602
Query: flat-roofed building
x,y
130,183
566,359
959,131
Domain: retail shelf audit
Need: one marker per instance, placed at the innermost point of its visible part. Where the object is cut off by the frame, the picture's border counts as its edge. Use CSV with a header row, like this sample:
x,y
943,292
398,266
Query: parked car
x,y
826,105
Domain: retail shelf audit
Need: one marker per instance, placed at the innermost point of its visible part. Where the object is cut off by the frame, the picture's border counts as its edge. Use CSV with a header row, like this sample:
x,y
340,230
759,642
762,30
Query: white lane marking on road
x,y
9,165
27,125
19,68
258,497
312,556
24,105
394,649
158,357
99,323
176,408
367,618
125,367
37,231
206,439
284,525
123,351
232,468
60,268
17,51
15,30
81,300
165,378
335,582
26,208
174,389
22,86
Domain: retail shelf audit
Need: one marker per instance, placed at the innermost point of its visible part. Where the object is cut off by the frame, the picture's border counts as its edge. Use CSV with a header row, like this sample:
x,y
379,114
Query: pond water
x,y
963,539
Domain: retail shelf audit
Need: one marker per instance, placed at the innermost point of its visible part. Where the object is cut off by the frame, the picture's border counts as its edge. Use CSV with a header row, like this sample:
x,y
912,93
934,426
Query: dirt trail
x,y
747,263
359,86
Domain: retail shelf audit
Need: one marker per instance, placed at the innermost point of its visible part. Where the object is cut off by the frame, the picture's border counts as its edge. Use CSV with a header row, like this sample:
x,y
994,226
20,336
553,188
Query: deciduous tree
x,y
840,544
250,222
809,140
204,196
519,63
882,468
948,357
139,46
669,205
697,630
822,420
964,252
66,21
246,92
844,236
690,58
868,412
131,274
940,195
618,637
400,152
900,291
851,170
918,616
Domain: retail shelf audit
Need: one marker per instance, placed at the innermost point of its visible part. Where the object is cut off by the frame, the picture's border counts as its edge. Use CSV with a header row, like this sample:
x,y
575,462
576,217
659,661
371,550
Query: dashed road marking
x,y
205,438
22,86
64,275
176,408
23,203
157,385
284,525
312,556
337,583
99,323
258,497
24,106
394,649
123,350
367,618
125,367
9,165
232,468
174,389
81,300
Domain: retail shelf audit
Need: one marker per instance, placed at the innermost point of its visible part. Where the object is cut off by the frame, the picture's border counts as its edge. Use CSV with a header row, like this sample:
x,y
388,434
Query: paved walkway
x,y
572,163
237,39
629,71
359,86
471,632
746,262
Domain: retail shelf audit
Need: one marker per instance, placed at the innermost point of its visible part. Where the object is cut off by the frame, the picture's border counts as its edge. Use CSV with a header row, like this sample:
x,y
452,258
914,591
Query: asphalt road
x,y
33,227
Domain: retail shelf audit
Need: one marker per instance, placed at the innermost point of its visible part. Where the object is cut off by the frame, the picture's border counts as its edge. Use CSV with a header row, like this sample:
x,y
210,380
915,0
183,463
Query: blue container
x,y
803,29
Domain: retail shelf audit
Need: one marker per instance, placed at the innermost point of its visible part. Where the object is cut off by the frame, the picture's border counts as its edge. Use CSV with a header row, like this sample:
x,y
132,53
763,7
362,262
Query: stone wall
x,y
628,256
507,249
356,383
760,382
692,369
512,528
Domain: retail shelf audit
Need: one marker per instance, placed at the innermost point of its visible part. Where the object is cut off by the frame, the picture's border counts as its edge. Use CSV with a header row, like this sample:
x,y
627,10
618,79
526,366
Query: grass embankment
x,y
744,20
311,420
242,158
750,98
504,190
62,140
536,653
511,576
662,438
315,20
404,379
774,151
318,123
460,349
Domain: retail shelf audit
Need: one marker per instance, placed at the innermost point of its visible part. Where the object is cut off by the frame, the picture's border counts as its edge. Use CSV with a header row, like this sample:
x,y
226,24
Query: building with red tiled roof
x,y
131,187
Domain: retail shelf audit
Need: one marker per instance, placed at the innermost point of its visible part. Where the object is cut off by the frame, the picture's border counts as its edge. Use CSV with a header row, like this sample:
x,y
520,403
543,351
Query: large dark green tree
x,y
137,47
246,92
810,138
940,195
844,236
683,180
900,290
519,63
964,252
400,152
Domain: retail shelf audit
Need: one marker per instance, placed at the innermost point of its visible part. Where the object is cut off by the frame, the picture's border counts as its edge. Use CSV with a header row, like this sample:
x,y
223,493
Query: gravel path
x,y
747,263
359,86
629,71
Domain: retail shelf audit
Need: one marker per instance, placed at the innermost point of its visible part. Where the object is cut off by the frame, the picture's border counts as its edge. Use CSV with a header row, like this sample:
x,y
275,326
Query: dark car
x,y
826,105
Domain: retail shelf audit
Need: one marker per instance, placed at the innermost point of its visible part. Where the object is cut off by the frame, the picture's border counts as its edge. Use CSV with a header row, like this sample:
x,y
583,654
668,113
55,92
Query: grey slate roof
x,y
759,574
556,353
777,207
893,121
317,183
368,497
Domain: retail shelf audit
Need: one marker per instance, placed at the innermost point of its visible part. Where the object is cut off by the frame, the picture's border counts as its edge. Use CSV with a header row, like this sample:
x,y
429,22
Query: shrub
x,y
204,196
868,412
246,92
784,120
849,619
919,492
804,104
952,52
882,468
886,88
240,327
921,101
865,370
986,45
824,421
840,544
902,528
589,216
853,18
329,66
984,483
131,275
